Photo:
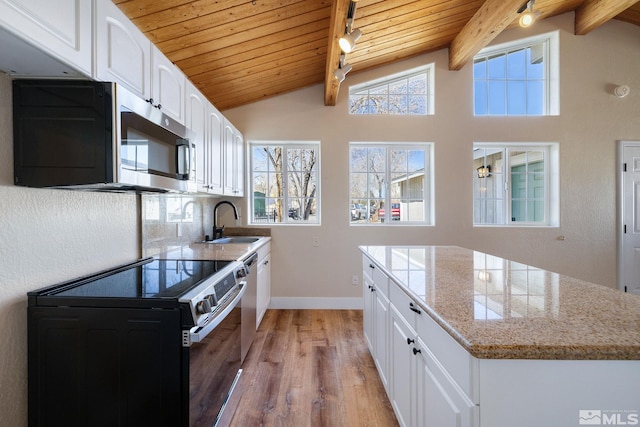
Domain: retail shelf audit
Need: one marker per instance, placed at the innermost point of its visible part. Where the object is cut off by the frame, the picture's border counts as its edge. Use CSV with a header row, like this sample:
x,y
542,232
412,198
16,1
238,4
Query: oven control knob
x,y
242,272
203,307
213,300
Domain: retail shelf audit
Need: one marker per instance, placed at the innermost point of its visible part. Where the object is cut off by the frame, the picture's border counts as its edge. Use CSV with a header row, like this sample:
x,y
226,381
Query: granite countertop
x,y
500,309
214,251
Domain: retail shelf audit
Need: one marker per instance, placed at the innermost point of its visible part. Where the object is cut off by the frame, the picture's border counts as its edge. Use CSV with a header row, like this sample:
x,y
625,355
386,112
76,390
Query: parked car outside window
x,y
358,211
395,212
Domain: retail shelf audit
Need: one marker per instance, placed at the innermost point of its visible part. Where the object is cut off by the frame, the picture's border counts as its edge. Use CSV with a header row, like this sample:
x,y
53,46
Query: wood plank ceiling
x,y
241,51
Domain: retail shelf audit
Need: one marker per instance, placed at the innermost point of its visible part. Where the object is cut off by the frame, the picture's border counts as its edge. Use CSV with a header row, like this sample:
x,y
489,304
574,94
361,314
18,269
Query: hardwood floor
x,y
311,368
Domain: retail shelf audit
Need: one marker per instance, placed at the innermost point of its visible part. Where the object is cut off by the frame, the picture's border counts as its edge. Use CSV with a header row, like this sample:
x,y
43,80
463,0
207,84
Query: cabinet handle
x,y
410,341
416,351
413,308
266,262
372,288
372,266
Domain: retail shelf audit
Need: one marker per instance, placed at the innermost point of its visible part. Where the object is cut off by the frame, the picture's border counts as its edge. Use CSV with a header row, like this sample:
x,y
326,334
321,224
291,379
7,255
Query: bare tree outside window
x,y
285,183
409,93
390,183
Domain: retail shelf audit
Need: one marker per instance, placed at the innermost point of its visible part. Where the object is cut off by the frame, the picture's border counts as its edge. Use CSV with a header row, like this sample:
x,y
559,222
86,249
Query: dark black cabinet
x,y
105,367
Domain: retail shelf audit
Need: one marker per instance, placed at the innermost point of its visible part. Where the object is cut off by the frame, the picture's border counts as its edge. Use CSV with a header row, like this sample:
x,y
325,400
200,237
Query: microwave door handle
x,y
183,158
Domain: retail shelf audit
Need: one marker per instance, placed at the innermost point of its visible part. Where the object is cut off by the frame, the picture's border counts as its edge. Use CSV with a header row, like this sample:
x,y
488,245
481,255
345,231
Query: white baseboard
x,y
293,303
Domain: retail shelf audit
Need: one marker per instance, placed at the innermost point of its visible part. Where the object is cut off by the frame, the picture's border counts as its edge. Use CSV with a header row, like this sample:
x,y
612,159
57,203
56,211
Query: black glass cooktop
x,y
153,279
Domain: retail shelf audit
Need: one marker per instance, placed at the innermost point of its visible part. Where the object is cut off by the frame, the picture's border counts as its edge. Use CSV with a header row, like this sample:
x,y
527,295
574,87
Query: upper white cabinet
x,y
61,28
124,55
233,143
168,86
123,52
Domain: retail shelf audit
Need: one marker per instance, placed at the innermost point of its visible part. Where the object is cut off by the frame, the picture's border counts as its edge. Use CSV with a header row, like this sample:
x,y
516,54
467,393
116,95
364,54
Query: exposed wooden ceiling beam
x,y
338,21
489,21
593,13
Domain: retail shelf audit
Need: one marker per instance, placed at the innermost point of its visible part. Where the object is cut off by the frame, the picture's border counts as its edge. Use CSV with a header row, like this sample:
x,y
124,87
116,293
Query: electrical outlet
x,y
315,241
355,280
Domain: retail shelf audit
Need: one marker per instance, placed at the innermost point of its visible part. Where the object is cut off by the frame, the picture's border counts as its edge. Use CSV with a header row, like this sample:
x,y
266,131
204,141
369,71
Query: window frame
x,y
551,79
428,187
428,70
551,184
286,145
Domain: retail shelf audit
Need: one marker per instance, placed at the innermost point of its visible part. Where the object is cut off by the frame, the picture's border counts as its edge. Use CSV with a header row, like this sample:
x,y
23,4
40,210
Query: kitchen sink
x,y
233,239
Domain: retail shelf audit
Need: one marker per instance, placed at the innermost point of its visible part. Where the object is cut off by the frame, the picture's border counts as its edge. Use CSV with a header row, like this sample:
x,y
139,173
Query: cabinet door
x,y
61,28
214,157
264,286
238,146
123,52
381,331
402,377
197,122
233,172
440,402
168,86
367,320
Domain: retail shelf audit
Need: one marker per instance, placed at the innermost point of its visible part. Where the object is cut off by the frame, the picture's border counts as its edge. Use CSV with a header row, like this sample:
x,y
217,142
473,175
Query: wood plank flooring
x,y
311,368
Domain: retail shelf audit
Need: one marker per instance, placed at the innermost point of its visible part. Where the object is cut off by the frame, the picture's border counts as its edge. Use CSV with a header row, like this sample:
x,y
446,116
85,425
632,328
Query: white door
x,y
629,237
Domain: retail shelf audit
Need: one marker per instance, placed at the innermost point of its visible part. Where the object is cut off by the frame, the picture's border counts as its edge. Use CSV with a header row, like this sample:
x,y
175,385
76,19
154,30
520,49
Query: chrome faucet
x,y
217,232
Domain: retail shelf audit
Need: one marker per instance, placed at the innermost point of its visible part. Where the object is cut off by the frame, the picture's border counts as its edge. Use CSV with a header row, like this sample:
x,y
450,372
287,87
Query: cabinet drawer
x,y
452,356
367,268
376,276
404,304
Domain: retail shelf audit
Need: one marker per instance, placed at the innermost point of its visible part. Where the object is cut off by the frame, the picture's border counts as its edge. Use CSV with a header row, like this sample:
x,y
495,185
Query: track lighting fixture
x,y
348,41
341,72
527,18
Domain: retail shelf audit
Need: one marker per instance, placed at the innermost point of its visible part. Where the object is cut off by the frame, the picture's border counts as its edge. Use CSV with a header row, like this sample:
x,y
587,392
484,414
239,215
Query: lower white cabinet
x,y
264,282
402,375
376,319
422,391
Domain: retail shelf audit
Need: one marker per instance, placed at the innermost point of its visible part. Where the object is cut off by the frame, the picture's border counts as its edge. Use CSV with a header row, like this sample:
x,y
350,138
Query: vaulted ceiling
x,y
241,51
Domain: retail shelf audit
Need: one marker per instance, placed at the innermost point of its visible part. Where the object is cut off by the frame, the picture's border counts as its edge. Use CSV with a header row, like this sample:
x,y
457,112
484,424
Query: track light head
x,y
348,41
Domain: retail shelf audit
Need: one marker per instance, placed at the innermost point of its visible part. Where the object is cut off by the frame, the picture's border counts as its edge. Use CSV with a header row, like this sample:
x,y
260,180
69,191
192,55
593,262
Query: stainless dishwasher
x,y
249,303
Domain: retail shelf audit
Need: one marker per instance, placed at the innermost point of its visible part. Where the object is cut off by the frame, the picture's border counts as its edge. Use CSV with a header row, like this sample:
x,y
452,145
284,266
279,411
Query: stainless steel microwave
x,y
97,136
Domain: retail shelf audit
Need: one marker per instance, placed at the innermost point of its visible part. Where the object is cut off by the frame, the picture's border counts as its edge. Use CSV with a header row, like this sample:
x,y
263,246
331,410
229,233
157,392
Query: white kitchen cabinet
x,y
376,318
439,401
196,120
167,86
402,375
422,391
123,52
61,28
233,171
264,282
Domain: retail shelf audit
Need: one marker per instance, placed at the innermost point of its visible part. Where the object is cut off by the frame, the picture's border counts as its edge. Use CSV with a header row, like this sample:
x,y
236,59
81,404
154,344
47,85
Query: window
x,y
515,184
390,184
285,182
518,78
408,93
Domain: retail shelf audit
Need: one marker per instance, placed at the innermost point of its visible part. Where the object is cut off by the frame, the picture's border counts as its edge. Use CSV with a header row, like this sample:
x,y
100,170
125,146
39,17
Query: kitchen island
x,y
462,337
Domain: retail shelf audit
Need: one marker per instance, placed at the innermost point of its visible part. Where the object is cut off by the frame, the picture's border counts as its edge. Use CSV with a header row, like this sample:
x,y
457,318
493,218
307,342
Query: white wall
x,y
591,120
46,237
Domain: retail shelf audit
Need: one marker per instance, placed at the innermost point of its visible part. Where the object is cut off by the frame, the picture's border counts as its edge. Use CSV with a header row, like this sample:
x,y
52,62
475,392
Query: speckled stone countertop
x,y
500,309
214,251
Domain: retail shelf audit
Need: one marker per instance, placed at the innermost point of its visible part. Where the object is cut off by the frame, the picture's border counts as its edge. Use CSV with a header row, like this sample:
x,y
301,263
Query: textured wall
x,y
47,236
591,121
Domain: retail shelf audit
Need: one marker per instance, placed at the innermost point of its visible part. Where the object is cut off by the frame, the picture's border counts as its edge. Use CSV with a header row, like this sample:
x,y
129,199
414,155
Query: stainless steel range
x,y
155,342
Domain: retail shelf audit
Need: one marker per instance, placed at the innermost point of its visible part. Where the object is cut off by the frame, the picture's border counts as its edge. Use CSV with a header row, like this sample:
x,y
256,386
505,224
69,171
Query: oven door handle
x,y
197,334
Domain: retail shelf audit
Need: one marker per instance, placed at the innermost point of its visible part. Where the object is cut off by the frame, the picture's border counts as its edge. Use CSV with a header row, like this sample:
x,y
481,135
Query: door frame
x,y
620,146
